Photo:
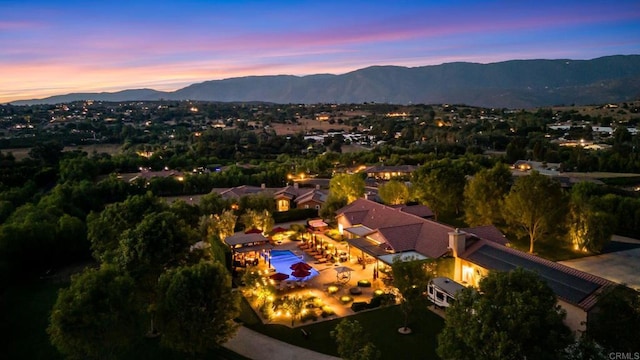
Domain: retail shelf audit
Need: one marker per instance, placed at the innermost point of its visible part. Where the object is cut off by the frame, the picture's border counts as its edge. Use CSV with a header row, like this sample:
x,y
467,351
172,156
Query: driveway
x,y
622,267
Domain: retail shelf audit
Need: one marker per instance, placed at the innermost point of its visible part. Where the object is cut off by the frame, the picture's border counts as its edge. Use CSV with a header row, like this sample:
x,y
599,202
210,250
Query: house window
x,y
439,295
468,275
306,206
283,205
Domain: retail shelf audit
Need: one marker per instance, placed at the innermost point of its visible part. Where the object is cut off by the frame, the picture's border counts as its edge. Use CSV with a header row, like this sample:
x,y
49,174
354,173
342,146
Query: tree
x,y
394,192
329,208
484,195
94,317
513,315
616,323
353,343
196,307
440,185
590,229
294,305
347,186
158,242
212,203
104,228
220,225
534,206
411,278
258,220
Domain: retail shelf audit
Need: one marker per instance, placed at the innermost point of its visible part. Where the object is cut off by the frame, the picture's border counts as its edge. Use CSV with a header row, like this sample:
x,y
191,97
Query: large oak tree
x,y
534,206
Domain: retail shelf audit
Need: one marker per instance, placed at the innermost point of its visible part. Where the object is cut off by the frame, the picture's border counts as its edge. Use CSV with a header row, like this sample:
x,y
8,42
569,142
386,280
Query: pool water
x,y
282,260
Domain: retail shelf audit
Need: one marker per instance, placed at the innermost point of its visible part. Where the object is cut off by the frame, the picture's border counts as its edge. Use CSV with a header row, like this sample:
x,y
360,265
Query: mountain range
x,y
509,84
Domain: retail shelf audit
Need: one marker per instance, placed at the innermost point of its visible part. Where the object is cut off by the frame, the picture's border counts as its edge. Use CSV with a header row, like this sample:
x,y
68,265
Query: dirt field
x,y
306,125
110,149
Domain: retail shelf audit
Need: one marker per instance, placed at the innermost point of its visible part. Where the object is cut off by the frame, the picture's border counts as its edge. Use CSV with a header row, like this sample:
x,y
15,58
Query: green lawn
x,y
381,324
24,318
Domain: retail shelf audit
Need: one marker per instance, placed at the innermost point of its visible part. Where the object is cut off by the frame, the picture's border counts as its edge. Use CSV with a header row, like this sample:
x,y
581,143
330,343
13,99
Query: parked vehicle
x,y
442,291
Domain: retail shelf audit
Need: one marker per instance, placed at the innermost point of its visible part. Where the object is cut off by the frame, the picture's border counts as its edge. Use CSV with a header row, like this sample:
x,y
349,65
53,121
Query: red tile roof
x,y
403,231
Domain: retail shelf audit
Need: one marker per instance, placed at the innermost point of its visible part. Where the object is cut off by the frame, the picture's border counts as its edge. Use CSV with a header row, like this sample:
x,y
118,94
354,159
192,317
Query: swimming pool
x,y
282,260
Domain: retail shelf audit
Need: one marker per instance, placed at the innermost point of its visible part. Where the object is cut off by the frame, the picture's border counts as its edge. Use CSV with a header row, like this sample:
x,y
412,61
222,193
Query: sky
x,y
60,47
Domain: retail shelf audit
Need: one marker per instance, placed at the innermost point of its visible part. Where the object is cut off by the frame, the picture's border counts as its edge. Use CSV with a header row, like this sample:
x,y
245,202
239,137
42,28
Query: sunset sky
x,y
59,47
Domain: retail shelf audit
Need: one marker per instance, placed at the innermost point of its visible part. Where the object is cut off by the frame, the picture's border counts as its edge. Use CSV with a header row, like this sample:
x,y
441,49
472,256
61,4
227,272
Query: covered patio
x,y
247,249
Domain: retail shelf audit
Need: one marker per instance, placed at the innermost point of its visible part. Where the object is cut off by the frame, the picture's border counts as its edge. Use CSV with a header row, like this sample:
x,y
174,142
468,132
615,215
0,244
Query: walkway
x,y
257,346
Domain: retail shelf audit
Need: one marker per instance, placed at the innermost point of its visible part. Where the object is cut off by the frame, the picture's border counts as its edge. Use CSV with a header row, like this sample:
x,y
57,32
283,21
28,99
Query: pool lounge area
x,y
282,260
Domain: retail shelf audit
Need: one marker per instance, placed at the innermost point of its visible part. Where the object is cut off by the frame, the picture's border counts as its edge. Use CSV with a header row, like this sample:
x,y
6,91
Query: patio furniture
x,y
355,291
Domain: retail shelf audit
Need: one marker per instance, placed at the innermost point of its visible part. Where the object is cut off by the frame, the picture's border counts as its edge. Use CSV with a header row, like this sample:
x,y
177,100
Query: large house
x,y
377,230
576,291
389,172
286,198
381,232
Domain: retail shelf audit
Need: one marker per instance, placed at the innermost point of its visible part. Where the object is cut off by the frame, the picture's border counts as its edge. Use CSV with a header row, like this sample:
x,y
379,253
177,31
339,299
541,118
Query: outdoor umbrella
x,y
300,266
279,276
300,273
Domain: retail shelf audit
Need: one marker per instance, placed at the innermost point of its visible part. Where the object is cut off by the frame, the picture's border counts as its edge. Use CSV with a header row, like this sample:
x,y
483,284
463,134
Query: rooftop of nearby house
x,y
571,285
391,168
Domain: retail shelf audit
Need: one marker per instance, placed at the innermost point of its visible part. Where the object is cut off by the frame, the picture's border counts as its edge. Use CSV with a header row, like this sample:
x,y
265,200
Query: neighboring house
x,y
542,167
389,172
286,198
576,291
148,175
377,230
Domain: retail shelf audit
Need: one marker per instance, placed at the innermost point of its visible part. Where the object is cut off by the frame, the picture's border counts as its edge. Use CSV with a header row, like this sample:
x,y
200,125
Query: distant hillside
x,y
511,84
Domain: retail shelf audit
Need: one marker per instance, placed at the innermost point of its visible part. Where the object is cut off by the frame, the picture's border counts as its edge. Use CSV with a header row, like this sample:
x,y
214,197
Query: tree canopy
x,y
196,307
512,315
94,316
484,195
347,186
353,342
440,185
393,192
534,206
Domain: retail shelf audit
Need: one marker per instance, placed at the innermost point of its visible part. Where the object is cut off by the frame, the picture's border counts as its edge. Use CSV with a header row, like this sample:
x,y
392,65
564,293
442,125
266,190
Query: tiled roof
x,y
402,230
571,285
488,232
239,191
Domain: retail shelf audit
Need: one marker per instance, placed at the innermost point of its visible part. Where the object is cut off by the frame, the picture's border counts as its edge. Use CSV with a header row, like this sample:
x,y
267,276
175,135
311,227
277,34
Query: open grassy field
x,y
306,125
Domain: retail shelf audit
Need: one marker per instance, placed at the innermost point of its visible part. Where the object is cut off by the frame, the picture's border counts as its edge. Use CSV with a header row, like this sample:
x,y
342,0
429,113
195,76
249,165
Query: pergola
x,y
247,243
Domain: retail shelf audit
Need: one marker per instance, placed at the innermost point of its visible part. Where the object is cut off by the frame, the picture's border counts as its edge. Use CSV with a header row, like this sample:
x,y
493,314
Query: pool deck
x,y
318,285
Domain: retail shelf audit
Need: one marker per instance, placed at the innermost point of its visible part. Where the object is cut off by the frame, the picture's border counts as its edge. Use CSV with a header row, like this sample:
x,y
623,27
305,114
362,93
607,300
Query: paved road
x,y
257,346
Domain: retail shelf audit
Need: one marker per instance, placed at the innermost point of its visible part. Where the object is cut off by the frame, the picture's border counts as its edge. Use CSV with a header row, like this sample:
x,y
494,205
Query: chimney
x,y
457,242
295,185
318,187
263,186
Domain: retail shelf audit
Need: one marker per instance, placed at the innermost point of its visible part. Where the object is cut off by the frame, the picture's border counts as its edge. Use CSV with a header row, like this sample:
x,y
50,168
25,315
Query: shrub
x,y
359,306
327,311
310,315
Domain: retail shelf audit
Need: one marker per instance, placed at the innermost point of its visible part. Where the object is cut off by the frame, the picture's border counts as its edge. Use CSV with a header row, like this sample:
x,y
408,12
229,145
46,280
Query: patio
x,y
327,292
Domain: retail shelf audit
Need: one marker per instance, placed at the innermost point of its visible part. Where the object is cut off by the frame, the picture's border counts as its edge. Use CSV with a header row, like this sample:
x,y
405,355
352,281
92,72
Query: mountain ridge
x,y
510,84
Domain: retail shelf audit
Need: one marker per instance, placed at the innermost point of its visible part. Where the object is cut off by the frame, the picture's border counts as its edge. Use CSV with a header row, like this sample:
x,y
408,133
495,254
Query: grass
x,y
381,324
25,317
